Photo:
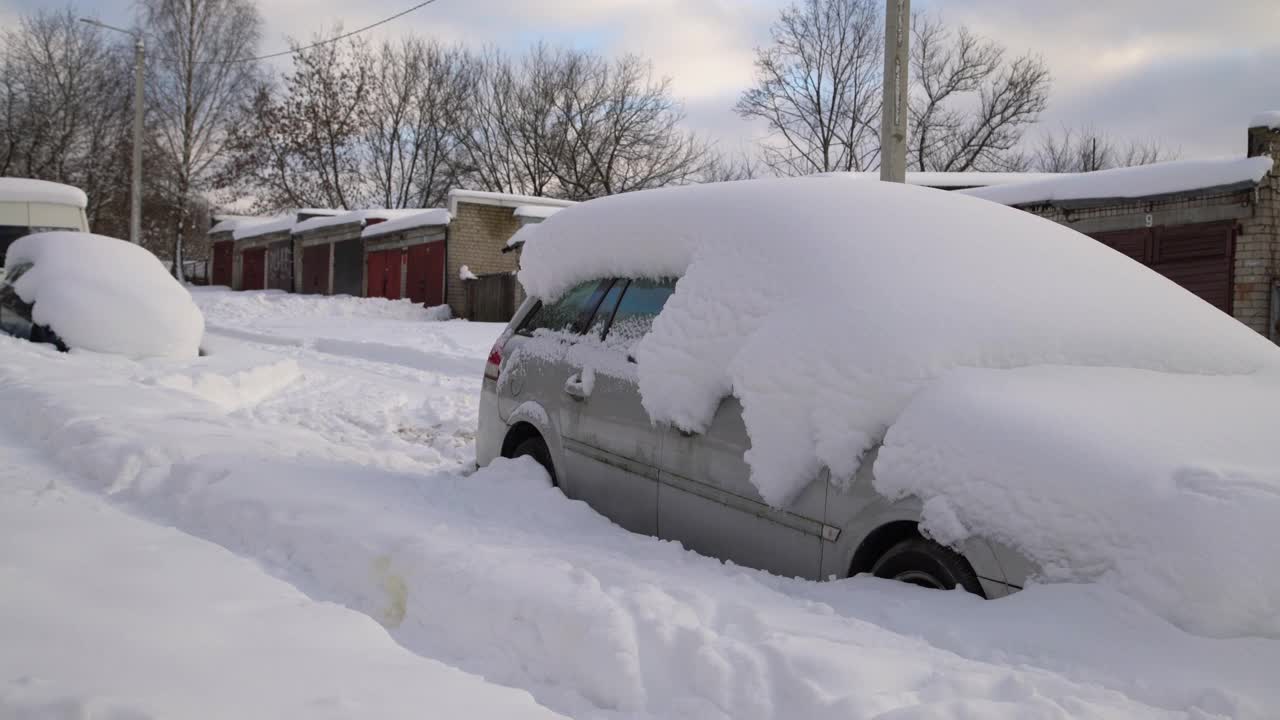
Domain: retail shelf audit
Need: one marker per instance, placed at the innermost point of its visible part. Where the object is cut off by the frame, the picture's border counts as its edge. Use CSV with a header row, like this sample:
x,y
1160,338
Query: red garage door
x,y
253,269
383,269
315,269
1199,257
222,260
425,273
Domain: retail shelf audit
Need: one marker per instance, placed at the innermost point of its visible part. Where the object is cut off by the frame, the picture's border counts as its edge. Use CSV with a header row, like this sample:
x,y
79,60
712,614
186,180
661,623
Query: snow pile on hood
x,y
1131,182
106,295
41,191
1164,486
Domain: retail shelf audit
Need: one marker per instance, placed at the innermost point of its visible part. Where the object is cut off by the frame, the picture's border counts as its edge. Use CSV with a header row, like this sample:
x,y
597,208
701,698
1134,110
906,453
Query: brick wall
x,y
477,235
1256,259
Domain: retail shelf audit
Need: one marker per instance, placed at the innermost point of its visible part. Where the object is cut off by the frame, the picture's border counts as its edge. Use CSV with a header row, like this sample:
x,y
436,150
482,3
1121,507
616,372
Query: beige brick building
x,y
481,225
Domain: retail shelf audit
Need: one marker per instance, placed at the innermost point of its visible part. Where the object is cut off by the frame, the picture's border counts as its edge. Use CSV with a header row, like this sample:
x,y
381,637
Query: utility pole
x,y
893,113
135,191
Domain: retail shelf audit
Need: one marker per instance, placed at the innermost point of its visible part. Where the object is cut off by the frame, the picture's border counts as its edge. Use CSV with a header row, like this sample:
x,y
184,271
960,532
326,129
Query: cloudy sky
x,y
1189,73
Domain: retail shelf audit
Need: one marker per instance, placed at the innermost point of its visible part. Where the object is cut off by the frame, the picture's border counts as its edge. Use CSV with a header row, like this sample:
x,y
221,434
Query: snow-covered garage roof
x,y
247,230
361,217
416,219
41,191
951,180
1132,183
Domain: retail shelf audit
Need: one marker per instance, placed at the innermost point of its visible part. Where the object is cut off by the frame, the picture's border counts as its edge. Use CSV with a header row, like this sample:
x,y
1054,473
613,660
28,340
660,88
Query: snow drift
x,y
106,295
826,306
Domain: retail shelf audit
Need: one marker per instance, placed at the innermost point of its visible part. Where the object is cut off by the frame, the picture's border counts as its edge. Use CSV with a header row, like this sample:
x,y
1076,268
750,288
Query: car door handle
x,y
573,387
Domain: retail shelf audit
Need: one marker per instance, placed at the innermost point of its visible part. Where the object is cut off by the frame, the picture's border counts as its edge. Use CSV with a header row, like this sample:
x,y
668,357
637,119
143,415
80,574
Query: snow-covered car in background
x,y
30,206
91,292
822,378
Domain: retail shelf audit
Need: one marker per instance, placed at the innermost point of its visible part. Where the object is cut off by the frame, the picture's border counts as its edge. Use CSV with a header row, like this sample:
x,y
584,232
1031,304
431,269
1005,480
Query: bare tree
x,y
818,87
64,103
1086,149
818,90
513,140
970,105
198,75
420,93
621,130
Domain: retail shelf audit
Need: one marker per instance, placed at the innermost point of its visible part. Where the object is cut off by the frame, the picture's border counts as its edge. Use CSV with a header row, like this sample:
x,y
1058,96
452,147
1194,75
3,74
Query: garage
x,y
253,272
280,266
315,269
405,257
1197,256
223,257
348,267
424,273
384,268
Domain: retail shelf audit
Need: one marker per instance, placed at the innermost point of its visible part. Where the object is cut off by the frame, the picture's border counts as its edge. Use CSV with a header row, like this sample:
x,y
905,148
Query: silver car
x,y
560,387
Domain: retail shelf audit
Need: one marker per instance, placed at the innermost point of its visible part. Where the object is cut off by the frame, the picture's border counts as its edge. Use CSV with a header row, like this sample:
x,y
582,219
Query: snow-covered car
x,y
822,378
92,292
30,206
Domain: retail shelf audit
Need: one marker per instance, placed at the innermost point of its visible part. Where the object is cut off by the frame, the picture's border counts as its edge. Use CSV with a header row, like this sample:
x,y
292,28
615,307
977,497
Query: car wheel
x,y
535,448
927,564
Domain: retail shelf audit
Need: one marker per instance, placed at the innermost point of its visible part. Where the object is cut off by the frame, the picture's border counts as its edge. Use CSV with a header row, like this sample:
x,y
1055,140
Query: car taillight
x,y
493,365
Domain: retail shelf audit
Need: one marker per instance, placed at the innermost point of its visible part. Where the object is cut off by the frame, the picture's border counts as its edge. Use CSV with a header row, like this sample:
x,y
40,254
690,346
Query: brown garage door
x,y
253,269
1199,257
223,254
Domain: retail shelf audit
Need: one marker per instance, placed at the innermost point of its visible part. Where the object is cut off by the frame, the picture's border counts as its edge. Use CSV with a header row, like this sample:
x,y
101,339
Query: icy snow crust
x,y
825,306
41,191
106,295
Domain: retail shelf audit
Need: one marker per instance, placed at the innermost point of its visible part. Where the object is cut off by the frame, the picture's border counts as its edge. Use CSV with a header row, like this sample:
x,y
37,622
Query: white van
x,y
30,206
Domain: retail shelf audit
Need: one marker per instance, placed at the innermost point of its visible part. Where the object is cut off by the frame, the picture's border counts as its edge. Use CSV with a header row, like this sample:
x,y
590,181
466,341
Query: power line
x,y
343,36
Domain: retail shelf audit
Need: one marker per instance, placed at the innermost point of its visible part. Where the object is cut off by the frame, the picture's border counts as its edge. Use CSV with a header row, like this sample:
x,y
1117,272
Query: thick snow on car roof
x,y
42,191
826,306
106,295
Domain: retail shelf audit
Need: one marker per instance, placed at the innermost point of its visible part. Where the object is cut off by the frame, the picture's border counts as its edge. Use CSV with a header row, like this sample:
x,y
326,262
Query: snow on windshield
x,y
106,295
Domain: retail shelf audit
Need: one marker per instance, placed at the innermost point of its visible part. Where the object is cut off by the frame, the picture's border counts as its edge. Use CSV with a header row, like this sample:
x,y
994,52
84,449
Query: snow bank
x,y
422,218
1164,486
825,306
1267,120
1131,182
25,190
106,295
355,217
108,616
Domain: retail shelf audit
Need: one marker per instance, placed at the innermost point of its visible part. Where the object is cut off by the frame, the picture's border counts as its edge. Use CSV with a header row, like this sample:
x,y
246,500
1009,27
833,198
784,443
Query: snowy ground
x,y
287,528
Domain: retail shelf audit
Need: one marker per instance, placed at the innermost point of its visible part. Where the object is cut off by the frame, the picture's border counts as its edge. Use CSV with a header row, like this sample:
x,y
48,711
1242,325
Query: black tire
x,y
927,564
535,448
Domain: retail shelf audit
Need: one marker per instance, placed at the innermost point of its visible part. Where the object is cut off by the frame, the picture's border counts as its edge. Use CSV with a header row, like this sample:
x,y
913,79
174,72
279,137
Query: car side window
x,y
15,313
564,314
640,304
604,313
